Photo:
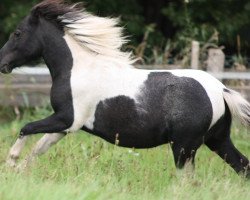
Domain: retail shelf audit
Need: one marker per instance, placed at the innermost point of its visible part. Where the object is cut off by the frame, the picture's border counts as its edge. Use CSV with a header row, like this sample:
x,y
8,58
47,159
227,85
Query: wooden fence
x,y
31,86
25,87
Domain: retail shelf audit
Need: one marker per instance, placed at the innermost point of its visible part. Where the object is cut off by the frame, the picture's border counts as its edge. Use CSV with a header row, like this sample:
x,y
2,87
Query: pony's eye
x,y
17,33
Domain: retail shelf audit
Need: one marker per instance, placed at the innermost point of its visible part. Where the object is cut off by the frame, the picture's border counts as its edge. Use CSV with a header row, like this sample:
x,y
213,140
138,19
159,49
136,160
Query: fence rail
x,y
31,86
220,75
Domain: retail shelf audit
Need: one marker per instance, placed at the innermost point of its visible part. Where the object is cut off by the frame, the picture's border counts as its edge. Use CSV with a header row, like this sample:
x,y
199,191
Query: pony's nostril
x,y
6,69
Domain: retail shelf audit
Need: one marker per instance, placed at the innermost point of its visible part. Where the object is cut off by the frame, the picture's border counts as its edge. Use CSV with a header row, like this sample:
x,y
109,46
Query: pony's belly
x,y
135,141
133,138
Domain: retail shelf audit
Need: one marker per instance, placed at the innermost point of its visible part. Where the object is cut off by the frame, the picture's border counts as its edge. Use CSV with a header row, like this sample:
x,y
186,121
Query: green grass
x,y
82,166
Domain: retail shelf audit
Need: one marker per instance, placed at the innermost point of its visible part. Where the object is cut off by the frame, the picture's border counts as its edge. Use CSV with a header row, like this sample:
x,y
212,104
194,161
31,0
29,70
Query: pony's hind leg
x,y
15,151
219,141
227,151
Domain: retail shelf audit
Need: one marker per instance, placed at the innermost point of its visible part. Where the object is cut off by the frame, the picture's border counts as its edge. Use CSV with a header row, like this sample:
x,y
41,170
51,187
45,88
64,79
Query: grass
x,y
82,166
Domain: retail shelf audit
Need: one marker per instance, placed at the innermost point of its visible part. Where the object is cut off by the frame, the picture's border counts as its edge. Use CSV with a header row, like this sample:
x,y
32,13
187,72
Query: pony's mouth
x,y
6,69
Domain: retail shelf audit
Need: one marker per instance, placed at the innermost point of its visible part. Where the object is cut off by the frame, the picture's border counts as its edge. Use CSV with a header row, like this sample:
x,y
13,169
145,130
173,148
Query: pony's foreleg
x,y
15,151
52,124
41,147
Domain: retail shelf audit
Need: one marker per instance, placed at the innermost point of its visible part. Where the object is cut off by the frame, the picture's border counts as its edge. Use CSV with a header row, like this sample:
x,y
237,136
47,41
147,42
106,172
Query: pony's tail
x,y
239,107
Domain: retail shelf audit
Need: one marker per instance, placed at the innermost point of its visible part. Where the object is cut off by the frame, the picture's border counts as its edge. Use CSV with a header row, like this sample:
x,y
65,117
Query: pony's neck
x,y
61,52
56,52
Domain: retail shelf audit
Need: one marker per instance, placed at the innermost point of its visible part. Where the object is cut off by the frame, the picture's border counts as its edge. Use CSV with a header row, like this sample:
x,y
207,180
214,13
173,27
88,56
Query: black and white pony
x,y
96,89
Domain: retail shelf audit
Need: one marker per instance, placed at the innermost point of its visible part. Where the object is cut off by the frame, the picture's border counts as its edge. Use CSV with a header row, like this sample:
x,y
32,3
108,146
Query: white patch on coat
x,y
213,87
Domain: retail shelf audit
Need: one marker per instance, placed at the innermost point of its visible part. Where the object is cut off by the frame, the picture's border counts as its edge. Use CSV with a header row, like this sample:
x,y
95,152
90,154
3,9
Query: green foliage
x,y
188,30
130,13
182,22
11,12
199,19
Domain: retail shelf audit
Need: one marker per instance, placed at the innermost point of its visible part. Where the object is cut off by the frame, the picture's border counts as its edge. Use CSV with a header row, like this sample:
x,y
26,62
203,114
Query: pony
x,y
95,88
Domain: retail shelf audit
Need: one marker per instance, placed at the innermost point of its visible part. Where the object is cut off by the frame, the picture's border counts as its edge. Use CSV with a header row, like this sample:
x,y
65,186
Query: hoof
x,y
247,175
11,162
21,167
21,135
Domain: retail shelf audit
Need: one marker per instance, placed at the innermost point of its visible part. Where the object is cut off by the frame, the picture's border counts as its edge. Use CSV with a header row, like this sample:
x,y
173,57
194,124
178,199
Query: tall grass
x,y
82,166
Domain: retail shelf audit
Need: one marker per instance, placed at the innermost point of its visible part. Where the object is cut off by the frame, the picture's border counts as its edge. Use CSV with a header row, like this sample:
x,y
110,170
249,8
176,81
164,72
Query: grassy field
x,y
85,167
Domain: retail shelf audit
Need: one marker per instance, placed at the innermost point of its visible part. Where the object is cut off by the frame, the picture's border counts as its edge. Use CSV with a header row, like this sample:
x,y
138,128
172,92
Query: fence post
x,y
195,55
216,60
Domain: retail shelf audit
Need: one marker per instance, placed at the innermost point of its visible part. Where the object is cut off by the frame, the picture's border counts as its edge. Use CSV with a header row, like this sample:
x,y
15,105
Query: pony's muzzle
x,y
5,69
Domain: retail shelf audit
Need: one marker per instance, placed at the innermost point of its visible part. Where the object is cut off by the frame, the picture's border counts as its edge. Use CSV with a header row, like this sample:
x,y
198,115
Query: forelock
x,y
52,9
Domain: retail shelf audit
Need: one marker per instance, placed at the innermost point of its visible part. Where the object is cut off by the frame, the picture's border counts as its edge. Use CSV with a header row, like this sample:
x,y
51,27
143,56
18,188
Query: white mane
x,y
100,35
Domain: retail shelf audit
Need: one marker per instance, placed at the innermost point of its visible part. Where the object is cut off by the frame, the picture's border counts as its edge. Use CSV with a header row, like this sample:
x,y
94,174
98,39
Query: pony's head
x,y
54,18
25,44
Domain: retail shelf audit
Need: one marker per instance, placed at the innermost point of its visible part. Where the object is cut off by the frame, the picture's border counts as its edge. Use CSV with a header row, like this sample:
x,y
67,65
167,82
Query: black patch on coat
x,y
167,108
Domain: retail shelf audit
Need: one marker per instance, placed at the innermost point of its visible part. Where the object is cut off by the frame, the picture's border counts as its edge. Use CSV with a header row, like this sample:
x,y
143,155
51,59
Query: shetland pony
x,y
96,89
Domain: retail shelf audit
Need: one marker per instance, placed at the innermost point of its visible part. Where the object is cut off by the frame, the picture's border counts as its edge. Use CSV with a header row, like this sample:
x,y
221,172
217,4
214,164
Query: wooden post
x,y
195,55
216,60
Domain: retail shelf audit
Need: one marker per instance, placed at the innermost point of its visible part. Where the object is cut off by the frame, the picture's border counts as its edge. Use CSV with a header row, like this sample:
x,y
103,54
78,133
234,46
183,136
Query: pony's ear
x,y
34,15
